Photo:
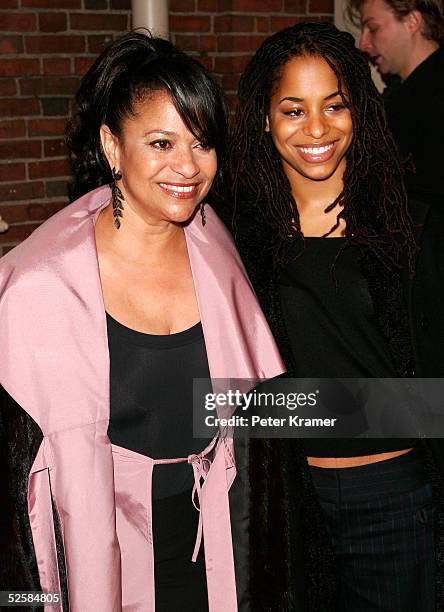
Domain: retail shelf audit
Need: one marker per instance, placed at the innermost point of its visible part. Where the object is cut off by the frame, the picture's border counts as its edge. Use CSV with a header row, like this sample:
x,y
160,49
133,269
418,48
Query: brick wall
x,y
225,33
46,45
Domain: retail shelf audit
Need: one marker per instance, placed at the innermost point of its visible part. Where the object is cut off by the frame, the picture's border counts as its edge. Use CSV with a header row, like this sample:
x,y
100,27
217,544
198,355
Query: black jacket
x,y
415,114
291,561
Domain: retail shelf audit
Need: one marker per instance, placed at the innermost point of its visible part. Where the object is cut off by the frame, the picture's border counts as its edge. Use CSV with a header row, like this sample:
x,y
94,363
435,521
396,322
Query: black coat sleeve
x,y
240,522
20,438
427,293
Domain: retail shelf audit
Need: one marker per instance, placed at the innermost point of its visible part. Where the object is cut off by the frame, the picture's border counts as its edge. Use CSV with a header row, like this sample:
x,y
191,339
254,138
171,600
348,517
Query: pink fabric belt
x,y
201,466
214,521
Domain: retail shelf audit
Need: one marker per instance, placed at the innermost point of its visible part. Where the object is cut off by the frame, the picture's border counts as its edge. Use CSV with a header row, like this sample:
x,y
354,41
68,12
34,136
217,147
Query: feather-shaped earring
x,y
202,213
116,198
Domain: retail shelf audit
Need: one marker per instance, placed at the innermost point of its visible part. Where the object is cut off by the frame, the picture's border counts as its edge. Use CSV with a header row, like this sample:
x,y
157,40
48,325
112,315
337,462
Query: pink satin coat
x,y
55,364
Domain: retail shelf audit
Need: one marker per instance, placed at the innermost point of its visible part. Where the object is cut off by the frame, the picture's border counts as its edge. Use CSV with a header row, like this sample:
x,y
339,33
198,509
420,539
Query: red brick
x,y
14,213
55,148
208,43
192,23
97,21
7,87
53,207
44,210
19,67
12,172
205,43
233,23
11,107
49,86
30,87
181,6
56,65
262,24
321,6
36,211
192,43
207,62
239,43
96,44
230,82
279,23
232,102
83,64
11,44
12,129
56,188
53,106
17,22
207,5
296,6
61,4
55,44
231,64
17,233
52,22
21,191
46,127
6,4
50,168
256,6
20,149
187,43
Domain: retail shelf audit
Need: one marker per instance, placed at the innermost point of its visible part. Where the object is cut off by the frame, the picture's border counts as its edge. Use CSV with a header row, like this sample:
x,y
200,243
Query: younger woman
x,y
322,222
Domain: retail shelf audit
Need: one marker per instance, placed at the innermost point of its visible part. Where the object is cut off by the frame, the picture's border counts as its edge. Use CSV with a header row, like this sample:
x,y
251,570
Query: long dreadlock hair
x,y
374,199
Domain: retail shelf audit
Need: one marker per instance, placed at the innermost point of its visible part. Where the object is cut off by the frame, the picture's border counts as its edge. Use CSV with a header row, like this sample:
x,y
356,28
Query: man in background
x,y
404,39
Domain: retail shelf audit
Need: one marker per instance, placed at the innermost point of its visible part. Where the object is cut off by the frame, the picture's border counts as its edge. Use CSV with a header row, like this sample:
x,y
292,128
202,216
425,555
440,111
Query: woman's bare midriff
x,y
345,462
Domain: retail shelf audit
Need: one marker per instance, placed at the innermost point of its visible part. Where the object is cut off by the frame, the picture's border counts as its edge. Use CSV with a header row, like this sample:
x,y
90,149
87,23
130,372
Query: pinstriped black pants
x,y
380,519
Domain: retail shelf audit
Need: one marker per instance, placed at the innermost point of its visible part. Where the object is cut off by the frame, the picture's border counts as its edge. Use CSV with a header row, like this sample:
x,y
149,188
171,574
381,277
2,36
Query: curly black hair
x,y
374,199
126,73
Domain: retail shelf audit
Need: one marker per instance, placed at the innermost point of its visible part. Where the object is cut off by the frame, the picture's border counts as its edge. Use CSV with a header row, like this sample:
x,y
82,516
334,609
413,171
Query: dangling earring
x,y
202,213
116,197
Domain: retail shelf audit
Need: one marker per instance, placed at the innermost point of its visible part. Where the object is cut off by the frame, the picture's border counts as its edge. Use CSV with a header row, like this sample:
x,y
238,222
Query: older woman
x,y
108,313
324,227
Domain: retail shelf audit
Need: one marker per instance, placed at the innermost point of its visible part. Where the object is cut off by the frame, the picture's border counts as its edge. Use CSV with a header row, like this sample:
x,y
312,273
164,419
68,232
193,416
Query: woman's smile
x,y
181,191
317,153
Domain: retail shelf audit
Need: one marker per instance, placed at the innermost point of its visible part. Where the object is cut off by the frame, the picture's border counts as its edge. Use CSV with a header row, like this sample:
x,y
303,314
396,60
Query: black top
x,y
152,398
333,331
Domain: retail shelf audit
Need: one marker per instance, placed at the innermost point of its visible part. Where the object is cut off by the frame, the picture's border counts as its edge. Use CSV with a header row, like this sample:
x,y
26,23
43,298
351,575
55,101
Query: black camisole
x,y
152,398
333,331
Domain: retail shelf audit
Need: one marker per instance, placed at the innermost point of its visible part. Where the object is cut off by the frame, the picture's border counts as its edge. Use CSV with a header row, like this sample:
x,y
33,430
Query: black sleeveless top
x,y
152,398
333,331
